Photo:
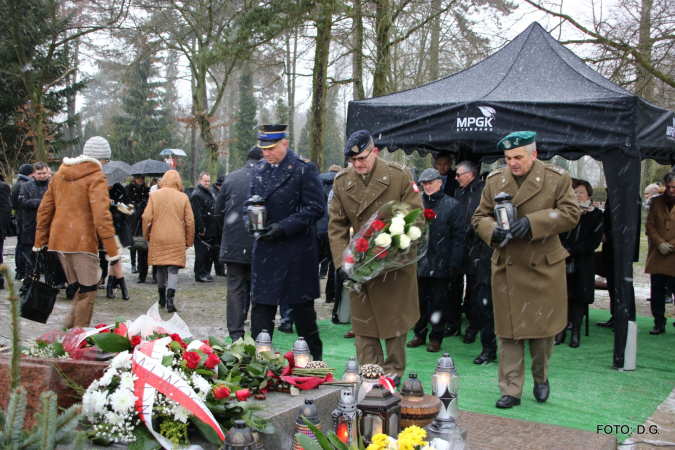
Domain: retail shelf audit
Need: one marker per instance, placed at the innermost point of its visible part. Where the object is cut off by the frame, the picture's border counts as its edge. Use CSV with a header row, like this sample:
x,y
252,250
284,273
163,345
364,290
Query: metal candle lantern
x,y
263,343
310,412
352,375
257,215
346,419
381,413
417,408
301,353
505,214
445,386
239,437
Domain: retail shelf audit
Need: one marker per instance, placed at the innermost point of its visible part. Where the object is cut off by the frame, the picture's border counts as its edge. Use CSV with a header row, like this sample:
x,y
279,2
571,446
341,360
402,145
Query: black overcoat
x,y
30,198
581,242
446,237
469,197
5,208
285,271
16,190
118,194
236,246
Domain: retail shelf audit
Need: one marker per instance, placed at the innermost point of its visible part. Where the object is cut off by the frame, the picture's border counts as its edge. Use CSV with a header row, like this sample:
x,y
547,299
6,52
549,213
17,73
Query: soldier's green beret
x,y
516,139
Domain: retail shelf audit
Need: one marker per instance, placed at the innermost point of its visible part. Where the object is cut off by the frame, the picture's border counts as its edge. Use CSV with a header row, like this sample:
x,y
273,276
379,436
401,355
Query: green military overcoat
x,y
387,306
529,292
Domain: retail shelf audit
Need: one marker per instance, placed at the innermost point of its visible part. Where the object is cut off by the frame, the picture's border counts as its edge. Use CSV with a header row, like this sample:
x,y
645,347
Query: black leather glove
x,y
521,227
250,229
498,235
276,231
342,275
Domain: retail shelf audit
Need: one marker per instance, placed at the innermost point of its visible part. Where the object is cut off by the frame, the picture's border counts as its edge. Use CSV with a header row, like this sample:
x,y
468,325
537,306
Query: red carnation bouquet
x,y
391,239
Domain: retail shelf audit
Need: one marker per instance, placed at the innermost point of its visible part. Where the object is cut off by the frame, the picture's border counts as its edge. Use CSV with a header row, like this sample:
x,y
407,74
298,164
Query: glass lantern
x,y
309,411
445,386
239,437
381,414
351,375
346,419
263,343
412,389
505,214
301,353
257,215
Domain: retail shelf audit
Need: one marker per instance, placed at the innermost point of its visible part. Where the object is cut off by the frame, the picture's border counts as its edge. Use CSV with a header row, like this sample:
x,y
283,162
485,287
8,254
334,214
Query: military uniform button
x,y
360,219
534,265
510,263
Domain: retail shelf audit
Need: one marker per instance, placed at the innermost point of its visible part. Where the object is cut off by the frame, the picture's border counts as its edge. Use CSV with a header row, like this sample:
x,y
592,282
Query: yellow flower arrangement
x,y
412,438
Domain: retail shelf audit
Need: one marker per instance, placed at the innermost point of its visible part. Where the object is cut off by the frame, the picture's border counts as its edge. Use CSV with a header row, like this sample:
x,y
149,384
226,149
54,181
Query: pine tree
x,y
245,131
146,128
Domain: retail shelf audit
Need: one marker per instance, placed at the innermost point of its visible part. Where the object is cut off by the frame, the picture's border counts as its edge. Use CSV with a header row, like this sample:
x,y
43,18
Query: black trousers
x,y
483,307
462,303
2,247
142,265
132,255
658,300
432,292
262,318
323,246
28,256
203,256
238,298
19,261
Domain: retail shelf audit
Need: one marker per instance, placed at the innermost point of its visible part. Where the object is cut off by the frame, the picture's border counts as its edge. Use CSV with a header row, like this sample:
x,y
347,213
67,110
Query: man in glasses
x,y
387,308
444,166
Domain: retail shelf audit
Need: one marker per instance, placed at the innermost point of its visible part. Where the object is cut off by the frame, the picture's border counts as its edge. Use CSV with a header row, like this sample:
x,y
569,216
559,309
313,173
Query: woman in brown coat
x,y
73,215
660,229
169,225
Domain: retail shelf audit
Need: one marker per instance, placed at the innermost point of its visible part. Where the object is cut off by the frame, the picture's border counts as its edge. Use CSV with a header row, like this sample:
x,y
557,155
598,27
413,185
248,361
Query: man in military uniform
x,y
293,195
528,271
387,308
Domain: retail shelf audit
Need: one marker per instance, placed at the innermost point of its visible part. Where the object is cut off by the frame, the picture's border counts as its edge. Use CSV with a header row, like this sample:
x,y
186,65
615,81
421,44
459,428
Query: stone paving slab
x,y
486,432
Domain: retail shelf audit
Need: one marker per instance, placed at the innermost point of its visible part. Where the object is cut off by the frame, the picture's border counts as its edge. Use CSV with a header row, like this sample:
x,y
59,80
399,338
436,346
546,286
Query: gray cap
x,y
429,175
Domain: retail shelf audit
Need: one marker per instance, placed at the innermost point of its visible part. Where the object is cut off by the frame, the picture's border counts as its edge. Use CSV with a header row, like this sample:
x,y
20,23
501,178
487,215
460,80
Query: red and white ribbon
x,y
153,376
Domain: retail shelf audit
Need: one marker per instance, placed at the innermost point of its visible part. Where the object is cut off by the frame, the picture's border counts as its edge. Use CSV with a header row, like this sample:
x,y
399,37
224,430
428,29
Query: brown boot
x,y
416,342
85,309
434,347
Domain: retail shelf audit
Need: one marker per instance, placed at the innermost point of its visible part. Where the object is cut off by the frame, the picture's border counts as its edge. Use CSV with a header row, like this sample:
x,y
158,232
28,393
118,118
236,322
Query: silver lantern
x,y
257,215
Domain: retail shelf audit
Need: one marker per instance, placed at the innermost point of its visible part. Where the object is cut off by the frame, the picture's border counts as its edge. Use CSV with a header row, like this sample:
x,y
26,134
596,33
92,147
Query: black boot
x,y
154,277
123,286
576,338
162,297
110,287
560,337
170,293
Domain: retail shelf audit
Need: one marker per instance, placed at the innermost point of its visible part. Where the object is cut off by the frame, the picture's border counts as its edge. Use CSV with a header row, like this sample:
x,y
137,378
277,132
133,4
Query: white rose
x,y
405,242
396,228
383,240
398,220
414,233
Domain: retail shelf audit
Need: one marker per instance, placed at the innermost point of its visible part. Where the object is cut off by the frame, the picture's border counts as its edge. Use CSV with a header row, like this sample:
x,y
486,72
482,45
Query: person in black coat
x,y
206,228
119,201
444,257
138,192
444,166
327,268
581,242
28,203
236,246
25,171
5,214
293,195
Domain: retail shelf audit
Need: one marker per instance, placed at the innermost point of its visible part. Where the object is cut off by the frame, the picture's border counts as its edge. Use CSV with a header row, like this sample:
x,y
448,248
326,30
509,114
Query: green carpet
x,y
586,391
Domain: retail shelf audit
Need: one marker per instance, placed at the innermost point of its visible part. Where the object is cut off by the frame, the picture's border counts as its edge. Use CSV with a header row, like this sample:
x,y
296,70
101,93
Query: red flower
x,y
206,341
377,225
212,361
121,330
206,349
102,325
175,337
349,259
83,344
429,214
192,359
381,252
221,391
135,340
243,394
368,233
361,245
183,344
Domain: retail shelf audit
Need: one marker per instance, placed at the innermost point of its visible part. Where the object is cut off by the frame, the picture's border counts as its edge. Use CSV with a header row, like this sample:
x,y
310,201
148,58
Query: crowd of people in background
x,y
157,222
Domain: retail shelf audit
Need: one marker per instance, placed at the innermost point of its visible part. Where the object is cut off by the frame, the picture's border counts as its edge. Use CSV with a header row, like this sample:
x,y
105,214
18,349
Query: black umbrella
x,y
116,171
151,168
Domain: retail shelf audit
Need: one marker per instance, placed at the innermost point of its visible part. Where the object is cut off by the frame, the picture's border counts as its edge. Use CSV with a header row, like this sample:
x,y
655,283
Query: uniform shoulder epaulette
x,y
398,165
341,172
556,169
303,159
495,172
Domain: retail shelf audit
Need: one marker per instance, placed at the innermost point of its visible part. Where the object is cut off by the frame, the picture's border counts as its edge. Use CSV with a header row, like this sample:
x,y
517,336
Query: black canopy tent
x,y
535,83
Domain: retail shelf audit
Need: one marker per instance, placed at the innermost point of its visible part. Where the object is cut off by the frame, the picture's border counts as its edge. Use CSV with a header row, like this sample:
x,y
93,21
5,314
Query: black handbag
x,y
38,298
140,244
12,229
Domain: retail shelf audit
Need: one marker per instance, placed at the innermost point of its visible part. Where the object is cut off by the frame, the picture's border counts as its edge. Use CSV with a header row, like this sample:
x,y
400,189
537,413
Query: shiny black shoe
x,y
141,279
508,401
452,332
204,279
541,391
658,330
469,338
560,337
575,340
485,358
286,328
608,324
134,269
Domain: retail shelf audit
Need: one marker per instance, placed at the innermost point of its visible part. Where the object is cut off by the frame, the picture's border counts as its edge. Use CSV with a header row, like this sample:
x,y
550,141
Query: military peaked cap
x,y
269,135
358,142
516,139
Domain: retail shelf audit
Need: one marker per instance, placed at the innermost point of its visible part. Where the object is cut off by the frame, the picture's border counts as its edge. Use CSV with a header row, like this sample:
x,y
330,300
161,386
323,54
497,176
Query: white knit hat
x,y
97,148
